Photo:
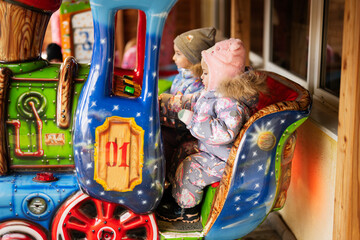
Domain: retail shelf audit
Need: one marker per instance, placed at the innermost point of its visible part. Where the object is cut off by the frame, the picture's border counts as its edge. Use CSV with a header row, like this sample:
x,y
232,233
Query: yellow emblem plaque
x,y
119,153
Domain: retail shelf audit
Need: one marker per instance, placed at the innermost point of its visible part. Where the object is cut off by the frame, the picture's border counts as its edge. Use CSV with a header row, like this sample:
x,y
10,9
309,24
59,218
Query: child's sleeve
x,y
170,105
224,126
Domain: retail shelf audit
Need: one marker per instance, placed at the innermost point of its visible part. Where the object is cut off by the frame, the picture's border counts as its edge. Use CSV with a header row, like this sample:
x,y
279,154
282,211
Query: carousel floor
x,y
273,228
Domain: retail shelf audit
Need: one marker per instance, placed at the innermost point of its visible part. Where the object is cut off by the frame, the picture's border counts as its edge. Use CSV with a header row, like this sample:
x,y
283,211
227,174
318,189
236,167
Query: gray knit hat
x,y
191,43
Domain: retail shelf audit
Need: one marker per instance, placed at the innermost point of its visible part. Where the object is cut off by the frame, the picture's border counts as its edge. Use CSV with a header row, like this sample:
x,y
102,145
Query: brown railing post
x,y
347,187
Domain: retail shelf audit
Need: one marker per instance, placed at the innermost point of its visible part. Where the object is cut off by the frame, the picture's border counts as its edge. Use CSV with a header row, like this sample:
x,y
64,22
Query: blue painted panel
x,y
19,189
96,103
253,187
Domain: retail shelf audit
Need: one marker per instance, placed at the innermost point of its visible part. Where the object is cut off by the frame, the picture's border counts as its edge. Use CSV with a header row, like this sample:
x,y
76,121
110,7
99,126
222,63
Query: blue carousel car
x,y
106,181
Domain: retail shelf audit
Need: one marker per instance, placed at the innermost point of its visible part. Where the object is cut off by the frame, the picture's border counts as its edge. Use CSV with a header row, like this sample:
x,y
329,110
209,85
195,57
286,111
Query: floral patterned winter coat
x,y
186,83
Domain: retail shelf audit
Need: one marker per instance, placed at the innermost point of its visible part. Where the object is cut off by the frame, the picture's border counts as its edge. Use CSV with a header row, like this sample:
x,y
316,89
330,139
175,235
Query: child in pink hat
x,y
215,117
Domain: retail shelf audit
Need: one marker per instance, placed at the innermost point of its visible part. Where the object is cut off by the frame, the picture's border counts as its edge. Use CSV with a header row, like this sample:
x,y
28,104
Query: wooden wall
x,y
240,22
347,191
186,14
183,17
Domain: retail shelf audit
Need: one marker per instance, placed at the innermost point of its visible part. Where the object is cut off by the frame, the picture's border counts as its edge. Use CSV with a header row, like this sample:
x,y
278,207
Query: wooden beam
x,y
240,23
347,188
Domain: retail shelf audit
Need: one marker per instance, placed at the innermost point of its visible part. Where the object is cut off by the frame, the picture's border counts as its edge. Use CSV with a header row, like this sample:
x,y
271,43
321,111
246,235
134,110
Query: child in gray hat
x,y
187,57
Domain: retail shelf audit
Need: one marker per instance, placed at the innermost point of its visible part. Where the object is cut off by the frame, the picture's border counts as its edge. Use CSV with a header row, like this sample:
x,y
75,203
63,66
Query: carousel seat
x,y
258,170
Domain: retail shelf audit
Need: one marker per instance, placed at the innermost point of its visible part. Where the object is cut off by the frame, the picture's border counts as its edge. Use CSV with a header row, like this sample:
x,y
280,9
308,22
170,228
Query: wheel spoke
x,y
134,221
76,226
75,213
109,209
99,208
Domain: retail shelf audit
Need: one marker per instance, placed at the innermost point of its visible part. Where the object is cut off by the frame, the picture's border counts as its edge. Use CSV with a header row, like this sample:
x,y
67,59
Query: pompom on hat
x,y
191,43
224,60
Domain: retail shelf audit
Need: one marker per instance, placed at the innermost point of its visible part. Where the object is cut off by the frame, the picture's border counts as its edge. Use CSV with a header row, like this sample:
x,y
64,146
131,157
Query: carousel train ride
x,y
81,150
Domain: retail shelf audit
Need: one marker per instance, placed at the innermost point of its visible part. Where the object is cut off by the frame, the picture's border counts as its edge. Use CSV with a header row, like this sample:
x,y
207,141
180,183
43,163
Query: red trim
x,y
47,79
44,177
17,125
41,166
140,51
138,72
46,5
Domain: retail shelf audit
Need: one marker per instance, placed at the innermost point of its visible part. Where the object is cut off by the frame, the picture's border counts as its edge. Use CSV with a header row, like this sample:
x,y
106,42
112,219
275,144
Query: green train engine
x,y
38,99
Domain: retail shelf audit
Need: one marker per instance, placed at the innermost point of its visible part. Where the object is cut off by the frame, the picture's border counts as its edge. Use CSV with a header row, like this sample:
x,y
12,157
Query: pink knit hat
x,y
225,59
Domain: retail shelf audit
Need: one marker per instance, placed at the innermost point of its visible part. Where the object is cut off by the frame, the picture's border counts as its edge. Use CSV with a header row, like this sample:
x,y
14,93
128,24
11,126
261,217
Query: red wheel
x,y
84,217
21,230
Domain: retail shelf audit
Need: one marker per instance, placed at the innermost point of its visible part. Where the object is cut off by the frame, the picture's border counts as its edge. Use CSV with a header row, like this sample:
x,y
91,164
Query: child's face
x,y
180,60
205,74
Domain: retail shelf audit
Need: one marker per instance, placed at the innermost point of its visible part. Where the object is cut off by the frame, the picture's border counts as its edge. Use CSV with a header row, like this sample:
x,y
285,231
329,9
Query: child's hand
x,y
185,116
